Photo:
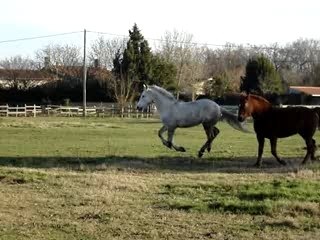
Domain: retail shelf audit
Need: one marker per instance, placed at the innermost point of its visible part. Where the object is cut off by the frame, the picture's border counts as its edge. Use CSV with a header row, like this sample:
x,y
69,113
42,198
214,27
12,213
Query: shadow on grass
x,y
183,164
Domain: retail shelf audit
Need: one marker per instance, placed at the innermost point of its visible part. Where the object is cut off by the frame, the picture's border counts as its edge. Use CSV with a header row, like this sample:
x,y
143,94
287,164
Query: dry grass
x,y
59,204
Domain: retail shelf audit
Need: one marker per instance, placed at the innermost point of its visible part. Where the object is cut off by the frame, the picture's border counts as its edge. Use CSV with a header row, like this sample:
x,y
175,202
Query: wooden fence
x,y
32,110
106,110
109,110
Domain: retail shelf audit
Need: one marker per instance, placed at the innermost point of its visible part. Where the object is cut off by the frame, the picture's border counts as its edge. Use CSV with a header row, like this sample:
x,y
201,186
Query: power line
x,y
228,44
162,40
106,33
38,37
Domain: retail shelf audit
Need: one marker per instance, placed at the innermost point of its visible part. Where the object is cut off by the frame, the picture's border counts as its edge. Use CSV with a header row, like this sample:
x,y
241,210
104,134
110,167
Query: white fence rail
x,y
110,110
32,110
308,106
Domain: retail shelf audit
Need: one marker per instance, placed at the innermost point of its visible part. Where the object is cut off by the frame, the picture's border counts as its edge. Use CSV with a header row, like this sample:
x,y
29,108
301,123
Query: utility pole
x,y
84,74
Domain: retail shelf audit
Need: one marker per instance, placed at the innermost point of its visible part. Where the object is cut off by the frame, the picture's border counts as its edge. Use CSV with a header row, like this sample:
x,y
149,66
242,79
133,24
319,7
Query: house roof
x,y
20,74
309,90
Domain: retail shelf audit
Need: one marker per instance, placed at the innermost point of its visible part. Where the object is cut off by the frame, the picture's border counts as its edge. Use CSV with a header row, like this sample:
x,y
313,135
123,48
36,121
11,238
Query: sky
x,y
213,22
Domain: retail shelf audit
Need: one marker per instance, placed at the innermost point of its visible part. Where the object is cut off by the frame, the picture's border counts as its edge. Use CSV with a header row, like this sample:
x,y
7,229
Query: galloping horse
x,y
174,114
273,123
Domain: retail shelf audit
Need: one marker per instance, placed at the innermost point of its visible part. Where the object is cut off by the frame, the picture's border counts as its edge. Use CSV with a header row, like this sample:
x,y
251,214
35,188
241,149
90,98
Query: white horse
x,y
174,114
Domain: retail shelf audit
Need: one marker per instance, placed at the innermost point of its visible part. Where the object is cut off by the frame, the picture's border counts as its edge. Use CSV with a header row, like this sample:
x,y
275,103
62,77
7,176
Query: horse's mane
x,y
259,98
163,92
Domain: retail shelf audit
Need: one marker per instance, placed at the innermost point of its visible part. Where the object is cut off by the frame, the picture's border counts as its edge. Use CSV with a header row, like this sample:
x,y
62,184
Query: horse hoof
x,y
257,165
208,149
182,149
200,154
283,163
168,144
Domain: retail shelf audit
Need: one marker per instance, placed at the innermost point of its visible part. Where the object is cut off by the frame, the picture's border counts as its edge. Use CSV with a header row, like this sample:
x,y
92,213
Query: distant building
x,y
307,95
24,79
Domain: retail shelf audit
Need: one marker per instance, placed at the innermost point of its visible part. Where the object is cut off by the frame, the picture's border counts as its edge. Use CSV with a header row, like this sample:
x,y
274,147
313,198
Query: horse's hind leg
x,y
314,148
310,149
273,143
210,132
215,132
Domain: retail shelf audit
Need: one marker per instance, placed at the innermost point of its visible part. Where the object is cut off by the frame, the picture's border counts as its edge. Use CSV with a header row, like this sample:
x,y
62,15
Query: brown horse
x,y
274,122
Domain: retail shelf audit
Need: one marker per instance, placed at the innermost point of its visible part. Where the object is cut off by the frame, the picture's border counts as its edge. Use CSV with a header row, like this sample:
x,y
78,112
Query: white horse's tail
x,y
232,120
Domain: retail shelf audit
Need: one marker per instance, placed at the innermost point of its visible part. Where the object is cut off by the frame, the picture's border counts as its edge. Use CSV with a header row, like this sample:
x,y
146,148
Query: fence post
x,y
129,110
7,110
34,110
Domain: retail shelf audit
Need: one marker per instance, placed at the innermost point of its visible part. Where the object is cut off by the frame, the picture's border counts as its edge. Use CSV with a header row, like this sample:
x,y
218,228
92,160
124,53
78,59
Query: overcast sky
x,y
209,21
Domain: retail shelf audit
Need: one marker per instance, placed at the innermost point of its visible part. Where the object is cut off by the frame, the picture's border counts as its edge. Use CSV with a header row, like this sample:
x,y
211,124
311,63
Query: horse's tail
x,y
232,120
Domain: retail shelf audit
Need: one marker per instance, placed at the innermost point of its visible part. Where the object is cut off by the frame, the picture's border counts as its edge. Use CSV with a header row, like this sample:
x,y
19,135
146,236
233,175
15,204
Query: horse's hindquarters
x,y
283,123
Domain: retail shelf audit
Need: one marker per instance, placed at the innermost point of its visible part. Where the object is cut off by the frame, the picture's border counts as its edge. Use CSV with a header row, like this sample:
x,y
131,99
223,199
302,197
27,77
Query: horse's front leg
x,y
170,140
165,142
260,150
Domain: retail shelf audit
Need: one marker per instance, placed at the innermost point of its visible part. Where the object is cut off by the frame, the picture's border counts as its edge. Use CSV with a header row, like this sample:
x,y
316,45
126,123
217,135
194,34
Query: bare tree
x,y
225,66
123,90
18,62
65,61
196,69
59,55
18,72
177,48
122,84
104,50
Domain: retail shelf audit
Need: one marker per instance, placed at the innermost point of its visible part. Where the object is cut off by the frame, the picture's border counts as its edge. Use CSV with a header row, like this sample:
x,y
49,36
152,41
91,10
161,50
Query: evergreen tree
x,y
138,65
261,77
250,82
137,58
163,73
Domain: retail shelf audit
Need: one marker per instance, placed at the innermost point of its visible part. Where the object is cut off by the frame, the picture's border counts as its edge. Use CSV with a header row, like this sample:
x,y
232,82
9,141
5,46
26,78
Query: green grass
x,y
263,198
110,178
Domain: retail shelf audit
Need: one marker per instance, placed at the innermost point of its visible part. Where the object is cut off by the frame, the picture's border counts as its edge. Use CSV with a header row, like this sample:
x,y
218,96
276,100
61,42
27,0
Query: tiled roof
x,y
314,91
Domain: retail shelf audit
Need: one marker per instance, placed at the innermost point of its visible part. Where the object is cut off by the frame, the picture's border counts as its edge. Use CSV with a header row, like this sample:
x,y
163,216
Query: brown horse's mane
x,y
260,99
257,103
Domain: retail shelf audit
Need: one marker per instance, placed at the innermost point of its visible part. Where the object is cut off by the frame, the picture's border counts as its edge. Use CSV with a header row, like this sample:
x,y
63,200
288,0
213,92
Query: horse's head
x,y
245,108
145,99
252,105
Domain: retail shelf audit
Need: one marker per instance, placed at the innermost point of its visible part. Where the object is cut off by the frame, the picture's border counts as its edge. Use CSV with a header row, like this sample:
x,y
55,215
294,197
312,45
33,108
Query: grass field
x,y
109,178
